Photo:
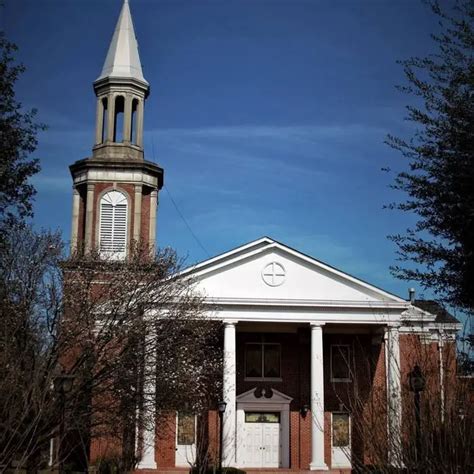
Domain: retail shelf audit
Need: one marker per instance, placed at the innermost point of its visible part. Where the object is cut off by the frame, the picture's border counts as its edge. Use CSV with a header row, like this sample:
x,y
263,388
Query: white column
x,y
75,219
394,395
139,117
137,218
229,395
153,208
99,121
147,455
317,398
89,216
127,118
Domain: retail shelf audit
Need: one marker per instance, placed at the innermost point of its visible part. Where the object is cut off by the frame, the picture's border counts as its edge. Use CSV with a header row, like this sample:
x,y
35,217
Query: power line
x,y
195,237
186,222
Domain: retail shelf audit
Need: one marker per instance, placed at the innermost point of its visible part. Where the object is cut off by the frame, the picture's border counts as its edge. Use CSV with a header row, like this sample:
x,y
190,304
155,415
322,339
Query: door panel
x,y
262,448
271,444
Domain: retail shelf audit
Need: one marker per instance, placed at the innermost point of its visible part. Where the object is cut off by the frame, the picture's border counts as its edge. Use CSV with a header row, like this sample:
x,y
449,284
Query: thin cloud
x,y
292,132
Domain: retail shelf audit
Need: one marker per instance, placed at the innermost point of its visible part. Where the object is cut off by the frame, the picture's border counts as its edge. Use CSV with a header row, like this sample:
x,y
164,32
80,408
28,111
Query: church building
x,y
300,337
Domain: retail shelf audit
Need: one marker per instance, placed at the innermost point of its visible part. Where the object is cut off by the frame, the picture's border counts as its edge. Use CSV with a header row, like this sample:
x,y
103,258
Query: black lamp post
x,y
417,384
62,385
221,405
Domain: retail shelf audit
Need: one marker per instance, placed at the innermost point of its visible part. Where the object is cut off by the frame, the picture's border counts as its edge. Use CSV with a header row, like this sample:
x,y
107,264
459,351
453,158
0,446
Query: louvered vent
x,y
113,225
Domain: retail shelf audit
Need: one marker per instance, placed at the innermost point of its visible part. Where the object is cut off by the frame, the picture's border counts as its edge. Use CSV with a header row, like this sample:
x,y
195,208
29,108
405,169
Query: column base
x,y
318,467
147,465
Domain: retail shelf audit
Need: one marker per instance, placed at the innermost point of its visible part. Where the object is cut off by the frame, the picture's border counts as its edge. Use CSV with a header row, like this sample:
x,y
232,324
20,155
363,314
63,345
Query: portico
x,y
236,438
277,304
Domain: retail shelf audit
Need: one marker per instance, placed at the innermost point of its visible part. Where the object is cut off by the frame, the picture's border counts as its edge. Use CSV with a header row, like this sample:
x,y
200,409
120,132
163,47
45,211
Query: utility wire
x,y
195,237
186,222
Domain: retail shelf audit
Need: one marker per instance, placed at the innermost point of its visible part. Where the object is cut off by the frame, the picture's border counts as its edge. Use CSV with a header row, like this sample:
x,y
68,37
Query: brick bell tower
x,y
115,191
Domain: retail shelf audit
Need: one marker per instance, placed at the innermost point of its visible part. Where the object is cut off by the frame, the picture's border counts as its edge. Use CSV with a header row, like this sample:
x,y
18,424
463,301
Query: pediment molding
x,y
260,396
270,252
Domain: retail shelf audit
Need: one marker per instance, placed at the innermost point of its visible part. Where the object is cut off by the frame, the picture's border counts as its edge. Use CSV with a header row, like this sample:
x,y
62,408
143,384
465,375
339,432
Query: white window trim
x,y
262,378
112,195
334,379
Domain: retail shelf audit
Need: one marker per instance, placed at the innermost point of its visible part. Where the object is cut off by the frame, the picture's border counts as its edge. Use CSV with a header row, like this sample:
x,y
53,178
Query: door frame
x,y
272,401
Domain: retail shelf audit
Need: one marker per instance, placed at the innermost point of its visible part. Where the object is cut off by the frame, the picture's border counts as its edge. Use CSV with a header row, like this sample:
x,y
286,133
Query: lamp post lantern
x,y
221,405
417,384
62,384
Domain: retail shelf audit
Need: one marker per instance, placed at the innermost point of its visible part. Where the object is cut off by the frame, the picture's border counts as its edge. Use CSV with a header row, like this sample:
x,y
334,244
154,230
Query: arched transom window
x,y
113,224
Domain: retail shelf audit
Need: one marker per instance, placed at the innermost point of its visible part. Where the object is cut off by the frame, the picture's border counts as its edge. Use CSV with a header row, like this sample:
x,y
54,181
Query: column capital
x,y
391,329
230,322
90,186
317,324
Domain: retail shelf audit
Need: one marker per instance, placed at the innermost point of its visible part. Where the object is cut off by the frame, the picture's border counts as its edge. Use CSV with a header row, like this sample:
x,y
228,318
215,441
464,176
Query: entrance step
x,y
181,470
296,471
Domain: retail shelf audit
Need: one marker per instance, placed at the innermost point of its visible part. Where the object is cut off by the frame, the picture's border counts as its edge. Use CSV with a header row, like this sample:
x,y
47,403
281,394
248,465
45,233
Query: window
x,y
340,363
253,417
262,360
341,437
113,225
186,428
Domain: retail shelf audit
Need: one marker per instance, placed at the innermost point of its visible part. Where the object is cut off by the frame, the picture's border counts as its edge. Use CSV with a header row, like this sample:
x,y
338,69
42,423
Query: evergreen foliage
x,y
440,180
18,139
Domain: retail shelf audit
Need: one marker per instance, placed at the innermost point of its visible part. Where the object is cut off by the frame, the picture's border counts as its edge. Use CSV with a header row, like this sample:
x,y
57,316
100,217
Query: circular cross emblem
x,y
274,274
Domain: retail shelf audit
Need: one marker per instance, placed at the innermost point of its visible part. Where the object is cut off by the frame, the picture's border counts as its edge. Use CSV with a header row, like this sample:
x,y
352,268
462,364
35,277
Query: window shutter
x,y
113,225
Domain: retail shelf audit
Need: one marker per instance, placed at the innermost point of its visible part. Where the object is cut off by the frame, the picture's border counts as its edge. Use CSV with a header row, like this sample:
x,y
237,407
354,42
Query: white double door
x,y
262,444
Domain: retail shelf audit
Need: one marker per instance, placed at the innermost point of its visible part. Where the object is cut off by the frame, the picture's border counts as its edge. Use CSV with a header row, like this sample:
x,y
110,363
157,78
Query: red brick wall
x,y
145,225
129,189
415,352
364,397
165,453
98,190
213,430
82,216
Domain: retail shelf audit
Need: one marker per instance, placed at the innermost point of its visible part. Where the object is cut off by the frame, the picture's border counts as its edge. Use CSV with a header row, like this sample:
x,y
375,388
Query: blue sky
x,y
269,117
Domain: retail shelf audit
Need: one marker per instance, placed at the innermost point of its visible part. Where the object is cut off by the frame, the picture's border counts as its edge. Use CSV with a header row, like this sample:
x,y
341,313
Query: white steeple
x,y
122,59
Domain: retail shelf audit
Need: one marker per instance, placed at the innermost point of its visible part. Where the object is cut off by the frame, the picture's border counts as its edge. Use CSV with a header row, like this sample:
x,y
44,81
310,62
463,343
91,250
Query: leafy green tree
x,y
440,180
18,132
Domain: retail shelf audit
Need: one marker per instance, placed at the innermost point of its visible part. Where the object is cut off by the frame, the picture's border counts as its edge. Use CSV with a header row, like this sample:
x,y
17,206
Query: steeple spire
x,y
123,60
116,189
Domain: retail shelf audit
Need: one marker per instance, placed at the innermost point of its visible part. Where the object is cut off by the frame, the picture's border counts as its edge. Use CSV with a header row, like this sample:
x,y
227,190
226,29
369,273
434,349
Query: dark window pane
x,y
272,360
340,362
186,428
340,430
253,360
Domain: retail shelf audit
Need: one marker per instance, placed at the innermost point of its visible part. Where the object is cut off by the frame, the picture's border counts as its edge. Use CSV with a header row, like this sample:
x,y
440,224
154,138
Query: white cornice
x,y
292,303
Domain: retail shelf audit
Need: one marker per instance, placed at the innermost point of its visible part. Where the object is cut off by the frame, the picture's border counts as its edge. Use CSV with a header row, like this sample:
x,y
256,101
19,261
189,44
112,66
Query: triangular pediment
x,y
266,270
256,395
